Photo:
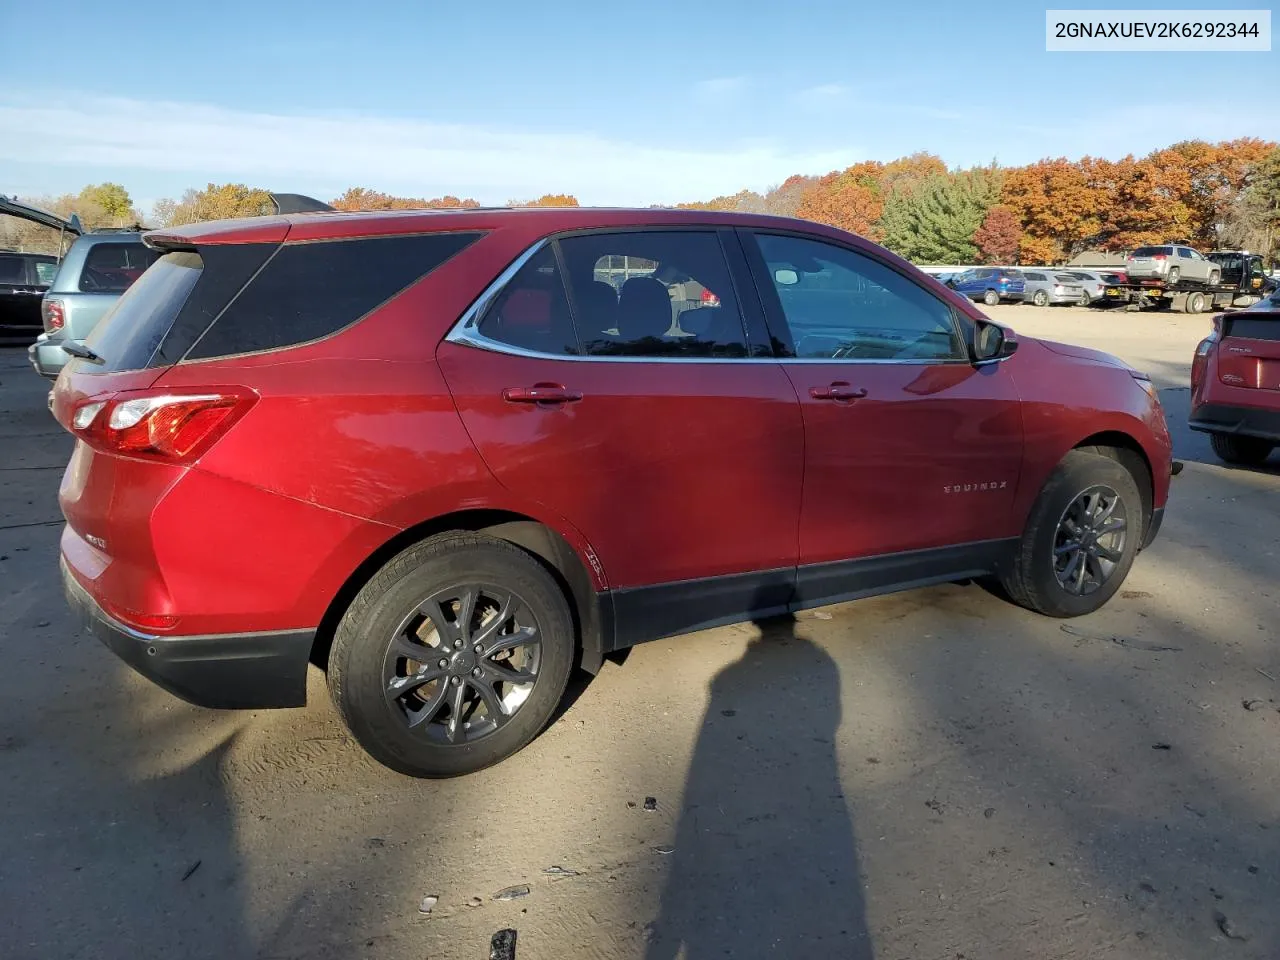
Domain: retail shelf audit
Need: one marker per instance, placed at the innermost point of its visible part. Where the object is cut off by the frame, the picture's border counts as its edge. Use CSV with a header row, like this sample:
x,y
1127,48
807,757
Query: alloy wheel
x,y
463,663
1090,540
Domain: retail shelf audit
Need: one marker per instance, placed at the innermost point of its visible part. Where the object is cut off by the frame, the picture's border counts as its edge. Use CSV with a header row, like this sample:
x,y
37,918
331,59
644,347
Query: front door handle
x,y
839,390
549,393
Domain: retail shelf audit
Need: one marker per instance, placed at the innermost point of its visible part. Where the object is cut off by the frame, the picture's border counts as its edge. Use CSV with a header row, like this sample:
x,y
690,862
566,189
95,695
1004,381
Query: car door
x,y
912,453
643,415
19,296
1192,265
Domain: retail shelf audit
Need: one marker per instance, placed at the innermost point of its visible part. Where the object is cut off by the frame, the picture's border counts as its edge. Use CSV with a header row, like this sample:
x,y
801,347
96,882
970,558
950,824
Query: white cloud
x,y
719,90
823,96
409,156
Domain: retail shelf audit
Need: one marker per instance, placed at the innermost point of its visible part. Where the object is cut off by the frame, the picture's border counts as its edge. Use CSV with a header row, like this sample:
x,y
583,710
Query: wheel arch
x,y
1129,453
591,609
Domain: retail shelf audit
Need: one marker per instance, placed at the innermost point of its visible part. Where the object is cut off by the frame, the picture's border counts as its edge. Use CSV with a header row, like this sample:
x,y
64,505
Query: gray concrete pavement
x,y
936,774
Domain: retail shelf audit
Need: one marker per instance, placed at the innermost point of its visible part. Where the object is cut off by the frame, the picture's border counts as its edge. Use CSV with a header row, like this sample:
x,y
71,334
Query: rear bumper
x,y
47,357
225,671
1245,421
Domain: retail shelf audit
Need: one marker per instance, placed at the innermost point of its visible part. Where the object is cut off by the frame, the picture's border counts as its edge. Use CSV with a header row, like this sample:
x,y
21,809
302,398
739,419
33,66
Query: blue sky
x,y
642,102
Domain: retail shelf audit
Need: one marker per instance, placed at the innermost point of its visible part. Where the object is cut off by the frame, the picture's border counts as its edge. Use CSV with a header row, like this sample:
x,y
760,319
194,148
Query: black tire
x,y
1040,298
991,298
1247,451
1194,304
362,659
1033,579
1085,300
1175,273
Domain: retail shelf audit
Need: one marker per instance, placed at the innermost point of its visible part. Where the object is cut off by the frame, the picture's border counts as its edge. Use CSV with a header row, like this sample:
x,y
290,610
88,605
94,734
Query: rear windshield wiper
x,y
80,351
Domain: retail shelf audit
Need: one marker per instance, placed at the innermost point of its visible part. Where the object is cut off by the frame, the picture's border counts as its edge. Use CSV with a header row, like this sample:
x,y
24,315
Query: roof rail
x,y
298,203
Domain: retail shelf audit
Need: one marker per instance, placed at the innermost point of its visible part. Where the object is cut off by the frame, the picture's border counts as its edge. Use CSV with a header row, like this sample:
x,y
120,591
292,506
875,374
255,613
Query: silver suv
x,y
96,270
1171,263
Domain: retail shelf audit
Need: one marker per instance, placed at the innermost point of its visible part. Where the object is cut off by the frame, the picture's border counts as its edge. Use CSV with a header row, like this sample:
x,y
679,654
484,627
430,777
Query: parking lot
x,y
936,774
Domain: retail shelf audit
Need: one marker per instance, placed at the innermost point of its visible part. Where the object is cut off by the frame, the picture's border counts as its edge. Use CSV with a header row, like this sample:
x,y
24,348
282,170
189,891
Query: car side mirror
x,y
992,343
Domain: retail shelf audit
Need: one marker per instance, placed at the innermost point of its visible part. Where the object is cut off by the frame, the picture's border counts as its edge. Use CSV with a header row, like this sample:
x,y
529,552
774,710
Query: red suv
x,y
448,456
1235,383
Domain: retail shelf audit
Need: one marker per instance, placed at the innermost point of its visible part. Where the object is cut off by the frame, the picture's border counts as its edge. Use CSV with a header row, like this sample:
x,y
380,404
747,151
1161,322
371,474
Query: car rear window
x,y
1259,326
113,267
129,333
307,291
1149,251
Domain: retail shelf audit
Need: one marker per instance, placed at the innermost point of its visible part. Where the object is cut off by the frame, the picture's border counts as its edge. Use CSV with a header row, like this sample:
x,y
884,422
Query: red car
x,y
1235,383
448,456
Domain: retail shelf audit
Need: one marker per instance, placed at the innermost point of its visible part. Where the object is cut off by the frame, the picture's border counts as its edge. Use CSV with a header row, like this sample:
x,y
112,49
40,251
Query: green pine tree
x,y
934,221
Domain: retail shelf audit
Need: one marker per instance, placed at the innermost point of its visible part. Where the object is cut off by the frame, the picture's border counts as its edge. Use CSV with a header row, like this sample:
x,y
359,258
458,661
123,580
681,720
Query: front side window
x,y
653,293
842,305
1186,254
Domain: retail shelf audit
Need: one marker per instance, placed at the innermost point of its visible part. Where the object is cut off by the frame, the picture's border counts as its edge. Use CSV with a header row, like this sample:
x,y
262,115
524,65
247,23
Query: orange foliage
x,y
551,200
362,198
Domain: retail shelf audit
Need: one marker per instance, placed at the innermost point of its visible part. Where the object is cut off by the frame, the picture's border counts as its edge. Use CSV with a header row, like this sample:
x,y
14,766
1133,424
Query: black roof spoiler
x,y
298,203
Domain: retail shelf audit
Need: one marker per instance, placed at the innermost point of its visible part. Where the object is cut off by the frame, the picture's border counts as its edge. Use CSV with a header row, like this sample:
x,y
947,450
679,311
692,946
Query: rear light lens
x,y
170,427
54,314
709,299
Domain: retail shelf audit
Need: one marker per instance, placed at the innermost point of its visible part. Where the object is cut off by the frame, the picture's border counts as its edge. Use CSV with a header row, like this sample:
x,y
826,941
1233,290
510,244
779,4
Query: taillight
x,y
171,427
54,314
1203,349
709,299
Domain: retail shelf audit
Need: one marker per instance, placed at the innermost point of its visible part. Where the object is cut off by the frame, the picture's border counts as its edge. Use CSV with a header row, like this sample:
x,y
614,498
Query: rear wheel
x,y
453,657
1248,451
1175,273
1080,540
1084,300
1040,299
1195,303
991,298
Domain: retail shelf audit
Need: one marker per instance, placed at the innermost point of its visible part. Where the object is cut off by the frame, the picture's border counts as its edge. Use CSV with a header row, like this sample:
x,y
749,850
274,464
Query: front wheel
x,y
1041,299
453,656
991,298
1080,540
1247,451
1175,274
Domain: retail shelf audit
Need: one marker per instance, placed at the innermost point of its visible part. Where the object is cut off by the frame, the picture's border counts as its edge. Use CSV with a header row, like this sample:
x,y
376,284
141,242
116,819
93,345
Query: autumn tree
x,y
784,200
548,200
96,206
999,236
362,198
215,202
935,221
844,203
744,201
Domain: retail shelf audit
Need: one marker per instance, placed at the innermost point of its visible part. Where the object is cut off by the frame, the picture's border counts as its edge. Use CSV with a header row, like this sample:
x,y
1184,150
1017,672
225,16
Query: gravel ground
x,y
935,774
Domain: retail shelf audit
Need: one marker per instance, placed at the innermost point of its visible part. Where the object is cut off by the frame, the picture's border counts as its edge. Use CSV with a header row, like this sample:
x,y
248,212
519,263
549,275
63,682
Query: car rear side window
x,y
113,267
131,331
532,311
653,293
309,290
843,305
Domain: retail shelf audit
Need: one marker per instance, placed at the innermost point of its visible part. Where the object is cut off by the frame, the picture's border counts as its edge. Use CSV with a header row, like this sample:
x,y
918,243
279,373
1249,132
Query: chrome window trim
x,y
466,333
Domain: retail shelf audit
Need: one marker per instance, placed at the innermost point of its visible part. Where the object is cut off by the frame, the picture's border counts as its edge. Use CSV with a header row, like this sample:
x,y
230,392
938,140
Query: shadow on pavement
x,y
765,861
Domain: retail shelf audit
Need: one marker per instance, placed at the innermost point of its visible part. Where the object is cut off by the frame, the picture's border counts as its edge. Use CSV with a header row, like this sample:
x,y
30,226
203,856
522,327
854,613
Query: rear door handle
x,y
549,393
839,390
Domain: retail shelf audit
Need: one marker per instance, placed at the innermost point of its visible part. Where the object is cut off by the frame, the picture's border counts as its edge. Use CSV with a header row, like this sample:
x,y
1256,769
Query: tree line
x,y
1210,195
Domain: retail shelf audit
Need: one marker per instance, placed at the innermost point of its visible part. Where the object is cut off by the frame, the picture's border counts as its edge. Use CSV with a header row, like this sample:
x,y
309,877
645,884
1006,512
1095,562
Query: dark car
x,y
991,285
24,277
437,453
1235,383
